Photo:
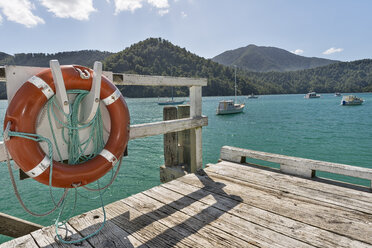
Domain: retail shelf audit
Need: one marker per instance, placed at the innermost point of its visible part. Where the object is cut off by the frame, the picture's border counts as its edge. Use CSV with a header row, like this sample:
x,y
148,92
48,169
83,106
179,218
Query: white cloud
x,y
76,9
1,19
160,4
20,11
298,51
132,5
125,5
163,12
333,50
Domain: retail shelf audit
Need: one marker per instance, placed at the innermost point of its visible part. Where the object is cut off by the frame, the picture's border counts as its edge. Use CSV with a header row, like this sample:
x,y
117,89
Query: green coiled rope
x,y
76,151
77,148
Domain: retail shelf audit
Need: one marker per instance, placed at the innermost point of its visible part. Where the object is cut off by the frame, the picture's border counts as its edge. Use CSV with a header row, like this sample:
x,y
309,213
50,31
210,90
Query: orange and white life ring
x,y
23,112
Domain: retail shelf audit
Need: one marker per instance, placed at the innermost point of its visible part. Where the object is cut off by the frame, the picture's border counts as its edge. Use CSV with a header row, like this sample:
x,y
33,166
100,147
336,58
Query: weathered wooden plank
x,y
347,198
195,101
329,217
196,134
147,80
286,226
148,230
109,75
222,219
196,149
15,227
306,183
234,154
162,127
184,138
25,241
134,79
46,237
110,236
170,139
201,232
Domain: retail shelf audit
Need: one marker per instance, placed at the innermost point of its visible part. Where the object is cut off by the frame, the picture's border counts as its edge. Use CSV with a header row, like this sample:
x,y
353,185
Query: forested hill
x,y
160,57
156,56
265,59
353,76
84,57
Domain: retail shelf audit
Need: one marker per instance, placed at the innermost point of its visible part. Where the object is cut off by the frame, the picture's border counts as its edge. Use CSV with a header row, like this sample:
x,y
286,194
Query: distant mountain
x,y
156,56
264,59
84,57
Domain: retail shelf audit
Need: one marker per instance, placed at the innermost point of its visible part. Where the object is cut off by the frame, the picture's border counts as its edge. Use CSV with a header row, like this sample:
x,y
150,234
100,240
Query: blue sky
x,y
334,29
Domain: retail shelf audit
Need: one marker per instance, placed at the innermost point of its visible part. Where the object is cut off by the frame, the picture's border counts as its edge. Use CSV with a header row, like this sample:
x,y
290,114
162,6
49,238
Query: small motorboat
x,y
351,100
312,95
229,107
252,96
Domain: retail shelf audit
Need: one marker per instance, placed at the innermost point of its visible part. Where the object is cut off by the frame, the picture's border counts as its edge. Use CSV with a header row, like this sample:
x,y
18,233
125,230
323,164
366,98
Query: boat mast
x,y
235,84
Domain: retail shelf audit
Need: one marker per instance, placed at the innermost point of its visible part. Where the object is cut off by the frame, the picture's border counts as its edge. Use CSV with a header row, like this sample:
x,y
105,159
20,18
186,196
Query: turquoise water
x,y
286,124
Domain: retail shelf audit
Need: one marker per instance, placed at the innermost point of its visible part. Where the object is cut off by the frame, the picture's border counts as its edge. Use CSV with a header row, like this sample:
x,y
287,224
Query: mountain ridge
x,y
265,59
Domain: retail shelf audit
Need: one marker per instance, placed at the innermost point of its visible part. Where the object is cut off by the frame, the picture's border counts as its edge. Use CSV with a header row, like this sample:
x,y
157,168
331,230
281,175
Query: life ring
x,y
23,112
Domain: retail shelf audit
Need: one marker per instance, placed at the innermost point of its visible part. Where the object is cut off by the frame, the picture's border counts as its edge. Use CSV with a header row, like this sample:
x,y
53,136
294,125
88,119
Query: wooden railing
x,y
295,165
194,122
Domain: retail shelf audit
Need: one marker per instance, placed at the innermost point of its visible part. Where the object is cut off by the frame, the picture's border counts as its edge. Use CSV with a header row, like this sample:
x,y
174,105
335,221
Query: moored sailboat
x,y
226,107
170,102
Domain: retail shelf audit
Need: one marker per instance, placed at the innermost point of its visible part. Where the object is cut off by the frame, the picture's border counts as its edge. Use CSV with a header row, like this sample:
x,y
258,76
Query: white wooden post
x,y
196,134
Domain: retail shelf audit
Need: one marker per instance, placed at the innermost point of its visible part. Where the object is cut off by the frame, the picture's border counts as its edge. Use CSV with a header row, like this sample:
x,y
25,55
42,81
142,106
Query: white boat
x,y
229,107
338,94
351,100
252,96
226,107
312,95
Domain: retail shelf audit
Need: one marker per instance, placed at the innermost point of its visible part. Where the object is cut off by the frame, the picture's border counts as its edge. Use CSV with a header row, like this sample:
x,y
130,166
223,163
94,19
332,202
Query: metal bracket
x,y
61,94
90,103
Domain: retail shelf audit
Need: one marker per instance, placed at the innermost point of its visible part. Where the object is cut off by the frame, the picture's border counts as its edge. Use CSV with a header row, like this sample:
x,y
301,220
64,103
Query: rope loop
x,y
83,74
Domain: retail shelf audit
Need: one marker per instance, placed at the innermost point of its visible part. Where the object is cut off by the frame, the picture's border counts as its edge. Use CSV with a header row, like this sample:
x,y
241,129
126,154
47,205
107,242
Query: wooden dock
x,y
227,205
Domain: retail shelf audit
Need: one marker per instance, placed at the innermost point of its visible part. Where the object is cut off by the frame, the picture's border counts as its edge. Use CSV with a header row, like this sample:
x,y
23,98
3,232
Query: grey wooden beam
x,y
15,227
